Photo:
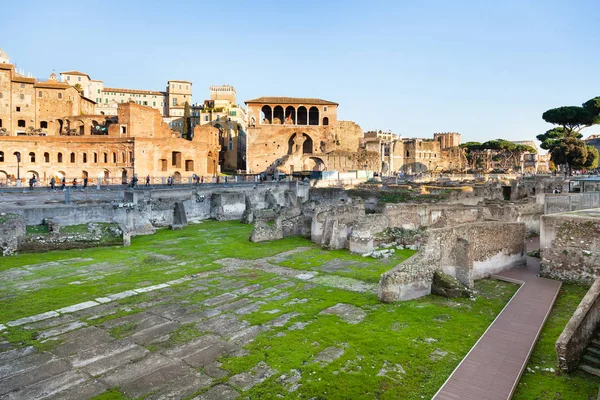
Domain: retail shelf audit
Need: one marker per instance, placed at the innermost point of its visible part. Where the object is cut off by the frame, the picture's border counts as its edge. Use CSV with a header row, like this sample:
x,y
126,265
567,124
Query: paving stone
x,y
285,285
306,276
148,335
108,357
85,390
49,323
2,327
219,299
33,318
39,373
24,364
137,369
77,307
347,312
280,296
202,351
151,288
157,378
234,305
82,339
178,281
299,326
265,292
8,356
199,316
173,312
283,319
328,354
246,335
224,325
182,388
219,392
256,375
247,289
141,320
290,380
61,329
116,296
438,354
214,370
50,386
249,309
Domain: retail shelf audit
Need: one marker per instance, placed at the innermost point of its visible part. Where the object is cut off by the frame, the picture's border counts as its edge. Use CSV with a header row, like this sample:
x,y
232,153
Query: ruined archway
x,y
124,176
177,177
314,164
266,115
3,177
30,173
307,146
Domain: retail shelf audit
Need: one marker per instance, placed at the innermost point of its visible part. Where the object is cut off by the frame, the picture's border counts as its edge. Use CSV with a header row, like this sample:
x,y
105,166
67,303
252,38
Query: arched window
x,y
278,115
32,157
290,115
407,153
105,158
302,116
123,157
84,156
46,157
73,158
266,115
325,121
95,158
114,158
59,158
313,116
1,156
0,122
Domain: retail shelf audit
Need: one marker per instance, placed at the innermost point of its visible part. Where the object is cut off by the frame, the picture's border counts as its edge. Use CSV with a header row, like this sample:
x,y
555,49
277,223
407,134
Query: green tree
x,y
187,122
564,142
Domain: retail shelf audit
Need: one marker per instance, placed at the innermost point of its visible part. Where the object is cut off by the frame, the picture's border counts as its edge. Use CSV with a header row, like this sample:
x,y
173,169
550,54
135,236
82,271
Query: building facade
x,y
287,134
170,102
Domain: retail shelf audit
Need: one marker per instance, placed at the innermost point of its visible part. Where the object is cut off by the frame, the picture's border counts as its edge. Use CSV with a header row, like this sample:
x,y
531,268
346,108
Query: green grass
x,y
544,385
139,265
36,229
354,266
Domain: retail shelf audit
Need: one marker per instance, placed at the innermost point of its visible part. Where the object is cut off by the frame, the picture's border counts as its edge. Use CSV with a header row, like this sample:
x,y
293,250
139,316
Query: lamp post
x,y
18,155
215,169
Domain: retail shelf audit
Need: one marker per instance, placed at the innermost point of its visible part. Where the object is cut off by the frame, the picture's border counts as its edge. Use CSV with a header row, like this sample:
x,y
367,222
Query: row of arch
x,y
73,157
291,116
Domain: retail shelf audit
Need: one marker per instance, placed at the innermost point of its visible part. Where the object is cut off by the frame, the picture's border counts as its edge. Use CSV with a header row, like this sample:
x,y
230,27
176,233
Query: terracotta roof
x,y
290,100
50,84
134,91
175,80
24,79
74,73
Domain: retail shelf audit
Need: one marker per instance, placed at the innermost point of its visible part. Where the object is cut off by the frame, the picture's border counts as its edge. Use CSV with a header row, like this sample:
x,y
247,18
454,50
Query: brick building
x,y
290,134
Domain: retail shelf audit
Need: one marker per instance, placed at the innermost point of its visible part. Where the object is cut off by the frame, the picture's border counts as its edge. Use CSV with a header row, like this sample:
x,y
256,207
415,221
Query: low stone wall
x,y
570,246
579,331
94,235
12,227
561,203
466,252
332,225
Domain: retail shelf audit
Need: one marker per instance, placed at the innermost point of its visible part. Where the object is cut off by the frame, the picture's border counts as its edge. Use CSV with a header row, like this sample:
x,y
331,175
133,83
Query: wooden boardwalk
x,y
493,367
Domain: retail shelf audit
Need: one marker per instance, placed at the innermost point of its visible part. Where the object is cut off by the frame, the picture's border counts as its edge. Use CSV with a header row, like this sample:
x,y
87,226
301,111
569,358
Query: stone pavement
x,y
133,345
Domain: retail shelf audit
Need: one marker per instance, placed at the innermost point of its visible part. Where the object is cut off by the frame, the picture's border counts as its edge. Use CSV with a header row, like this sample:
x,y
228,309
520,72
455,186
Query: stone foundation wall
x,y
95,235
579,331
570,246
466,252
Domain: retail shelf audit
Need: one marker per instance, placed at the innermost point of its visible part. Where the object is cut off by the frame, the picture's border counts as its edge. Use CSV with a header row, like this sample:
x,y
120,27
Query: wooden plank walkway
x,y
493,367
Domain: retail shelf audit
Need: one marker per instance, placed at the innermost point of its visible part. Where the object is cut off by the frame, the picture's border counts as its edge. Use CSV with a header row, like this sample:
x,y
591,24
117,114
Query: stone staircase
x,y
590,362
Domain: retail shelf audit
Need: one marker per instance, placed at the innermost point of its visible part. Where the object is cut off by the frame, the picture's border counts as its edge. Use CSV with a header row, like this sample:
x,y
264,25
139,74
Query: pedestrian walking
x,y
31,183
74,183
52,184
85,182
148,180
63,183
170,181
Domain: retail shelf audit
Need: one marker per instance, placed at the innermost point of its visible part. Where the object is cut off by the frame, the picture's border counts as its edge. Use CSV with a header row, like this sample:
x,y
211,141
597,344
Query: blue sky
x,y
486,69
